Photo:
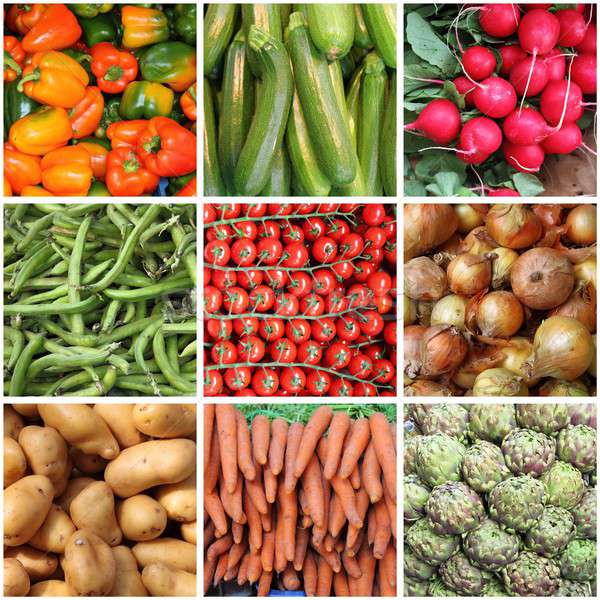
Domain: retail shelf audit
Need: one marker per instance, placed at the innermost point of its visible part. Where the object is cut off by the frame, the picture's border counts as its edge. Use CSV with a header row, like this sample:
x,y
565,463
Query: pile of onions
x,y
413,335
513,225
581,224
558,387
499,315
502,263
468,274
427,226
499,382
424,280
469,216
443,348
450,310
581,305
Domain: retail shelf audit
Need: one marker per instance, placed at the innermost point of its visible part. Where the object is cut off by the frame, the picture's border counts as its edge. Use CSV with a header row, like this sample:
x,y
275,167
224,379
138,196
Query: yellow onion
x,y
581,305
499,382
513,225
451,246
423,279
502,265
542,278
478,241
443,348
469,217
422,387
499,315
516,355
410,310
427,226
413,335
562,348
581,223
585,271
468,274
424,312
450,310
558,387
592,367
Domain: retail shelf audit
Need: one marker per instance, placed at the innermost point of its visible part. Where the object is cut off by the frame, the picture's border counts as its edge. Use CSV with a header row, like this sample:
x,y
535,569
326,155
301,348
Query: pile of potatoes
x,y
100,500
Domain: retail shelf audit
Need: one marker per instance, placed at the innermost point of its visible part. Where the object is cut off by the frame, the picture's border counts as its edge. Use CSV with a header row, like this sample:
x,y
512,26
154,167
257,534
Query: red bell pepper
x,y
113,68
125,176
22,17
86,114
125,134
14,56
56,29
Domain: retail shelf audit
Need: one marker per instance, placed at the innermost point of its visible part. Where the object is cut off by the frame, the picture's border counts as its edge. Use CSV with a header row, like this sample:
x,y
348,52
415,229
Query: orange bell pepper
x,y
188,103
20,169
85,115
22,17
189,189
57,28
13,57
55,79
125,134
125,176
35,190
7,186
98,155
41,131
67,171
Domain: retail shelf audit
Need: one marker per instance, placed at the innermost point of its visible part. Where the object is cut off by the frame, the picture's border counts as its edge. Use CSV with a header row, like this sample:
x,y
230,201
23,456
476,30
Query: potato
x,y
128,581
57,528
81,427
165,420
73,488
26,504
141,518
38,564
52,587
172,552
149,464
188,532
89,564
93,509
13,423
179,499
87,463
27,410
47,454
162,580
16,580
119,418
15,463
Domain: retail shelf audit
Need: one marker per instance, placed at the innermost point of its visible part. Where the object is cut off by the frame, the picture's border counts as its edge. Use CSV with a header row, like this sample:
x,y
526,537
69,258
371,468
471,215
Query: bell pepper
x,y
89,11
14,56
188,103
189,189
144,100
110,115
22,17
85,115
125,134
98,189
42,131
113,68
177,183
16,105
7,188
183,19
166,148
177,112
84,59
143,26
92,139
55,79
99,29
57,28
35,190
126,176
173,63
21,169
67,171
98,155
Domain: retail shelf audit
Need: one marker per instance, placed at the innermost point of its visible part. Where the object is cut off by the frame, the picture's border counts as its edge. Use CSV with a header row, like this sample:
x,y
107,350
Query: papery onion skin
x,y
427,226
424,280
542,278
450,310
513,225
585,271
443,348
477,242
502,266
410,310
422,387
581,222
516,355
468,217
468,274
580,305
558,387
499,315
499,382
413,336
424,312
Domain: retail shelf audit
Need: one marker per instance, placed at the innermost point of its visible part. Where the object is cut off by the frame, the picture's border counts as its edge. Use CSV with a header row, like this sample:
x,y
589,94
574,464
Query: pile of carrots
x,y
300,507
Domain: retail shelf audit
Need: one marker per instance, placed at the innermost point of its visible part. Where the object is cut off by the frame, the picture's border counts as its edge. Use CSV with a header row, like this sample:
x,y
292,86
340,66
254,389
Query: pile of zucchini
x,y
300,100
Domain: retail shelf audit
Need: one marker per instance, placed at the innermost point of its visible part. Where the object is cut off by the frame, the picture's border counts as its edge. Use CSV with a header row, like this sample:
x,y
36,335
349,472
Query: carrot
x,y
226,427
236,552
232,503
387,566
213,506
211,474
280,561
371,474
270,484
391,506
385,589
359,438
332,558
288,512
367,563
231,573
267,552
244,451
324,577
302,538
340,424
329,543
354,478
312,483
265,520
256,492
371,526
290,579
318,533
315,428
254,526
337,518
351,565
340,584
309,574
242,577
264,583
220,569
382,532
294,437
347,498
209,534
385,450
279,431
209,417
353,550
362,504
254,568
237,531
219,547
339,545
209,571
260,439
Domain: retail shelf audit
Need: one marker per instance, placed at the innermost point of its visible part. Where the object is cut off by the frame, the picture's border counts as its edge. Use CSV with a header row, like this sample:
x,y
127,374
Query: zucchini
x,y
352,100
328,130
331,28
219,24
370,121
362,39
380,20
285,10
387,146
264,139
238,107
279,181
213,182
267,17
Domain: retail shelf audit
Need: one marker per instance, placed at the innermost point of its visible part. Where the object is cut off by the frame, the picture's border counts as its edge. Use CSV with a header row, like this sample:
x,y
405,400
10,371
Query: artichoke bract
x,y
428,545
483,466
491,547
582,414
578,560
531,575
451,419
459,574
416,494
552,531
491,422
454,508
574,589
415,587
584,515
410,454
528,452
564,485
576,444
439,459
517,503
437,588
415,568
545,418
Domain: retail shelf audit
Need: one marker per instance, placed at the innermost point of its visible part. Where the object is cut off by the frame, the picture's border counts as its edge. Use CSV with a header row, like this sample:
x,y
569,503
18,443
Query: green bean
x,y
89,358
32,267
18,342
180,328
148,390
172,352
102,389
157,230
129,313
160,355
18,213
17,382
178,233
110,315
118,220
142,341
74,274
153,291
52,309
189,350
127,213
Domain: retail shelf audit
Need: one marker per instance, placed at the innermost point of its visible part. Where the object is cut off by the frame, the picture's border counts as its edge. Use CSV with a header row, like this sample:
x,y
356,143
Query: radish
x,y
528,77
499,20
438,121
564,141
478,62
527,159
588,44
479,138
555,63
525,127
503,192
510,55
528,7
553,100
538,31
495,97
572,27
583,72
466,88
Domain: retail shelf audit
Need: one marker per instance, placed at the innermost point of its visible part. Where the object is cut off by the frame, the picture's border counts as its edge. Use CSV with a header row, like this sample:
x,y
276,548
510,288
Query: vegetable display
x,y
299,300
500,300
100,100
72,527
300,101
300,497
99,299
500,500
495,98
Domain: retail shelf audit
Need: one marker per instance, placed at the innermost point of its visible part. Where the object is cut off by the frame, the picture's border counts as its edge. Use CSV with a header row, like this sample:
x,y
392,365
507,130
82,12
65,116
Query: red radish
x,y
528,7
583,72
438,121
503,192
588,44
479,62
564,141
555,62
553,100
527,159
479,138
525,127
510,55
495,97
538,31
499,20
572,27
526,84
466,88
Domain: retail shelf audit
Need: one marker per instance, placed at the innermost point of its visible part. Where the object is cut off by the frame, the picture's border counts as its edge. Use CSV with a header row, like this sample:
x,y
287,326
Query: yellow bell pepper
x,y
143,26
40,132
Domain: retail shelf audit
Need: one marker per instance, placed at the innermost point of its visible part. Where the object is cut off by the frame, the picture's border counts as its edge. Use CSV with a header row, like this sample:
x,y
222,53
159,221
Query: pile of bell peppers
x,y
100,99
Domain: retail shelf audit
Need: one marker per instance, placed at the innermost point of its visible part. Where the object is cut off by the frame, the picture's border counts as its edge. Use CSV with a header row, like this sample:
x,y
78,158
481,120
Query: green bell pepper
x,y
89,11
176,183
99,29
144,100
16,105
109,115
104,142
98,189
85,60
173,63
183,18
177,113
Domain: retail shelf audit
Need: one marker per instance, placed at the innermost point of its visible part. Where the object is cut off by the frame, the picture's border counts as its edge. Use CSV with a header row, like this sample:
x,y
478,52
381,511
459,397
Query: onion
x,y
499,315
478,242
424,312
516,355
502,265
413,335
477,361
581,222
585,272
468,274
422,387
581,305
410,310
592,367
562,348
443,348
451,246
558,387
450,310
513,225
423,279
542,278
427,226
499,382
469,217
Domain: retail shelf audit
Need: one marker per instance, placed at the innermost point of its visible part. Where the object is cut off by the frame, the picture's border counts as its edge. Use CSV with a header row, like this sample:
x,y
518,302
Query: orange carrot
x,y
264,584
362,504
354,478
265,520
312,483
340,584
254,568
231,573
329,543
371,526
353,550
359,438
220,569
391,506
302,538
260,439
315,428
288,512
236,553
382,532
211,474
242,577
294,437
209,571
267,552
387,565
256,492
219,547
209,417
280,561
340,424
337,518
254,525
371,474
279,430
270,484
244,448
290,579
324,577
367,563
309,574
351,565
237,531
332,558
213,506
209,534
226,427
385,450
232,503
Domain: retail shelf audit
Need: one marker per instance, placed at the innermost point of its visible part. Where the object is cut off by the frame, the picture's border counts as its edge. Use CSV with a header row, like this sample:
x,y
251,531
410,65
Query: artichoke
x,y
564,485
415,497
415,587
576,444
429,546
573,589
582,414
460,575
484,466
410,452
415,568
491,422
531,575
552,532
544,418
494,588
438,588
451,419
418,412
454,508
528,452
491,547
578,560
439,459
584,516
517,503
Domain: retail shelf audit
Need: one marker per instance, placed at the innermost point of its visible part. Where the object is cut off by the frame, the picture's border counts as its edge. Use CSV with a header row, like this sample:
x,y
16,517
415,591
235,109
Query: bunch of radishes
x,y
554,61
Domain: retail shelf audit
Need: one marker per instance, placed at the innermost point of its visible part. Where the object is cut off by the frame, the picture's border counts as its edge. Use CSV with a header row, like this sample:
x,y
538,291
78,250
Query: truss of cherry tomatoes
x,y
300,300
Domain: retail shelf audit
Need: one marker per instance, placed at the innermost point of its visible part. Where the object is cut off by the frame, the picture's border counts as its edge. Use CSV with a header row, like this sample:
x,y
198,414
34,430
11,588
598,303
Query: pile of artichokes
x,y
500,500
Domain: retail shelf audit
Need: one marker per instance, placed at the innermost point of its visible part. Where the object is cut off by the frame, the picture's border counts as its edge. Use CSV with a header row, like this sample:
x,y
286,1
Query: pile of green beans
x,y
99,299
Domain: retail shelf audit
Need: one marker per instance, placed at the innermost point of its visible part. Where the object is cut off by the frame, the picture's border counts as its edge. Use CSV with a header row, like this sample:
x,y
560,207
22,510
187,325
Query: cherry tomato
x,y
280,210
292,379
364,269
295,255
250,278
374,351
337,229
255,210
351,246
245,326
325,209
373,214
312,305
223,353
371,323
383,304
219,329
250,348
269,251
213,299
276,278
373,254
364,389
347,328
271,329
207,275
305,209
380,283
238,378
217,253
343,270
269,229
246,392
337,356
323,330
383,370
227,211
359,296
213,382
324,250
298,330
318,382
341,387
324,282
261,298
222,279
389,251
286,305
309,353
349,208
245,229
389,226
300,283
243,252
375,236
292,233
265,382
336,302
313,227
283,351
221,232
360,366
235,300
209,214
389,333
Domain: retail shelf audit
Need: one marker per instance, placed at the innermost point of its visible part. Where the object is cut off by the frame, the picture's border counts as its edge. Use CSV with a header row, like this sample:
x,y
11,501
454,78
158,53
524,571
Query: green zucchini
x,y
387,146
380,20
352,101
362,39
267,17
279,181
331,28
266,132
328,130
213,182
238,107
219,24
